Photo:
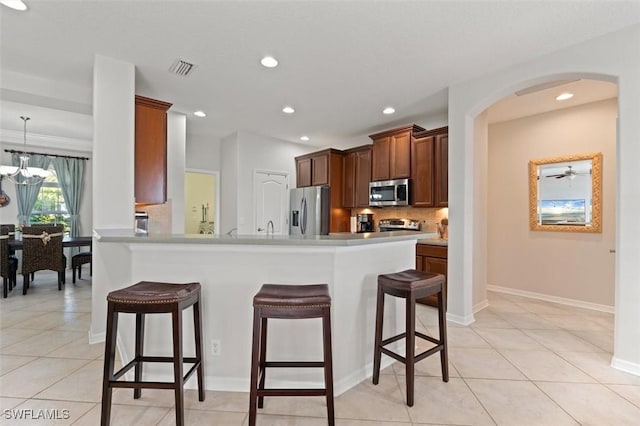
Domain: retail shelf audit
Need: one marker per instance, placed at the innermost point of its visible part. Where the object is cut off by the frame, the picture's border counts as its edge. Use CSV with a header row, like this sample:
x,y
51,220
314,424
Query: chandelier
x,y
23,174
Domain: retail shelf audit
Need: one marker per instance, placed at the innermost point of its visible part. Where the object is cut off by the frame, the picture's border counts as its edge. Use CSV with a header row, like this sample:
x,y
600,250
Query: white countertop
x,y
336,240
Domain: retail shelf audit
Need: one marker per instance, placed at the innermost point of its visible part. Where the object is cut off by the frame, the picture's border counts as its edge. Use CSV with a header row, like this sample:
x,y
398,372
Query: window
x,y
50,206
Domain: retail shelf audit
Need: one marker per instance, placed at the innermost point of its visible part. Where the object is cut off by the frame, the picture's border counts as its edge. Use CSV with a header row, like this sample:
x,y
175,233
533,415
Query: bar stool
x,y
411,285
152,298
289,302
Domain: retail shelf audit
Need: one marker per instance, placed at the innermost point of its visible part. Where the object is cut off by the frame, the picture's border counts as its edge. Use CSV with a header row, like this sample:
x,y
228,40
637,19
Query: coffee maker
x,y
365,222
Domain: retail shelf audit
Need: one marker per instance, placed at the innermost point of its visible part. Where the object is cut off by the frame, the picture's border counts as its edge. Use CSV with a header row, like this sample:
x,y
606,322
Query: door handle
x,y
612,250
260,229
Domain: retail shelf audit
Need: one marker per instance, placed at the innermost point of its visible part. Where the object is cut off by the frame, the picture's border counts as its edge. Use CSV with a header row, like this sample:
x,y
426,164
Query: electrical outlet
x,y
215,347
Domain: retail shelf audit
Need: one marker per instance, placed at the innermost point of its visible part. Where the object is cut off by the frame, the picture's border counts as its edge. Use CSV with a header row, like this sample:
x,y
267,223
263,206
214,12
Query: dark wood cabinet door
x,y
362,177
303,172
320,170
400,159
349,180
432,258
150,150
442,170
422,169
380,158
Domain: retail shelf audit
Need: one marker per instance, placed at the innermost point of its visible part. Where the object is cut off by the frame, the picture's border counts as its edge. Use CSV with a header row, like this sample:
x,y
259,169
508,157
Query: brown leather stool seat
x,y
80,259
411,285
289,302
143,298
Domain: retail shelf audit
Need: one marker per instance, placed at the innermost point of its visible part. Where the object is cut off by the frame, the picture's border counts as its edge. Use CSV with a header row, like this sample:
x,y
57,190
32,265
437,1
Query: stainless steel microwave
x,y
389,193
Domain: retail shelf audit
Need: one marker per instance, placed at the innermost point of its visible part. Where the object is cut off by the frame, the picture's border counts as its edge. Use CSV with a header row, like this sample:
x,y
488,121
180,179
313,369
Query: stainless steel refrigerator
x,y
309,211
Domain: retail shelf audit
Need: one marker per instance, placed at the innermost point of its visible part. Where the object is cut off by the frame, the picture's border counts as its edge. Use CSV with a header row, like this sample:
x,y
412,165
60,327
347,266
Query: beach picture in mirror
x,y
565,193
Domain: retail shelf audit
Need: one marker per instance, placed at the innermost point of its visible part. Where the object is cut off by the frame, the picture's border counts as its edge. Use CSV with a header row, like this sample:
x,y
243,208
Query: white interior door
x,y
271,201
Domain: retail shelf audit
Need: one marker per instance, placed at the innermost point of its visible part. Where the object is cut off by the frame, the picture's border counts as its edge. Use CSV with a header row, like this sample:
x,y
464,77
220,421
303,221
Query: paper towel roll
x,y
354,224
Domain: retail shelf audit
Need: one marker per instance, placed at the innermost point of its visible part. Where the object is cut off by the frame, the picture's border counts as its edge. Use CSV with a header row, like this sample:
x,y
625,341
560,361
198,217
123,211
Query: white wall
x,y
242,153
568,265
176,146
229,170
113,143
613,57
203,153
113,171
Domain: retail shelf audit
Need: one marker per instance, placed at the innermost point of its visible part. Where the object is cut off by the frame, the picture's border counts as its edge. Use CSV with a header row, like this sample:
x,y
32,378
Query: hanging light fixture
x,y
23,174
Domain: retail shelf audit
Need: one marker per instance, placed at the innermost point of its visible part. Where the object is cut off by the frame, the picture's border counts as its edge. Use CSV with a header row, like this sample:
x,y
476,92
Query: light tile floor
x,y
523,362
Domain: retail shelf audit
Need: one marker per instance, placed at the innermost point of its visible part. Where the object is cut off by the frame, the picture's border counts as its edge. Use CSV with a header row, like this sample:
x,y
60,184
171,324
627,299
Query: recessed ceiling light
x,y
269,62
14,4
288,110
388,110
564,96
304,138
200,114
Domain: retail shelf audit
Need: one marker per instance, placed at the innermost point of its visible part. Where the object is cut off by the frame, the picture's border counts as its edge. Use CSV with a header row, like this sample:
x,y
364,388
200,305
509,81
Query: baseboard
x,y
554,299
230,384
461,320
480,306
96,337
626,366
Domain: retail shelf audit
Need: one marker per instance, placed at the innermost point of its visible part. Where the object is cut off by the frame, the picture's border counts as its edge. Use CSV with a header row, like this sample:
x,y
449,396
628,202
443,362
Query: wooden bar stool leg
x,y
262,371
442,324
177,365
377,353
410,346
197,327
328,364
255,349
110,358
137,392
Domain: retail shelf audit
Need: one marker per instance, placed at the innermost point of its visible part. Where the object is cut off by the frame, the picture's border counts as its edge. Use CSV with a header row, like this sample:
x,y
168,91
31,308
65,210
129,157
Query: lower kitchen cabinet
x,y
431,258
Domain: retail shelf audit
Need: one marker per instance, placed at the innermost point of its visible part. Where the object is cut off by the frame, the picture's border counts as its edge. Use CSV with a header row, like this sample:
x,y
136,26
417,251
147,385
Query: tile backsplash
x,y
159,217
428,217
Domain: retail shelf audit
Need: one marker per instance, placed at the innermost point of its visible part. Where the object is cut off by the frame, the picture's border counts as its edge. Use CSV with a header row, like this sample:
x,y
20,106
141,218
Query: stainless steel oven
x,y
389,193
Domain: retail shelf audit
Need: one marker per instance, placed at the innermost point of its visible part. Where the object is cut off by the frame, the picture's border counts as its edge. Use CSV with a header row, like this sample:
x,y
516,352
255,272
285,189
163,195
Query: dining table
x,y
81,241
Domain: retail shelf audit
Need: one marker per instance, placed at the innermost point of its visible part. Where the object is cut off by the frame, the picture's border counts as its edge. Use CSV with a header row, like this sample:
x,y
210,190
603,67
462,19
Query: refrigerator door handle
x,y
303,213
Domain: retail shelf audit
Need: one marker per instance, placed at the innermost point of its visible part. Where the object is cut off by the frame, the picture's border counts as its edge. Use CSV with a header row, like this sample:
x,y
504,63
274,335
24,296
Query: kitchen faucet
x,y
270,223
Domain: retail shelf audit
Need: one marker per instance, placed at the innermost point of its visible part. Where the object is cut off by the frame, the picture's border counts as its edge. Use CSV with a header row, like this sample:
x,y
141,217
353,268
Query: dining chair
x,y
42,250
64,258
8,263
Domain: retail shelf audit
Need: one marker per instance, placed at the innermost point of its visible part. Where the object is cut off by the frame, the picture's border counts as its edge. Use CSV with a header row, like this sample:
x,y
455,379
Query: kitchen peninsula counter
x,y
231,270
336,240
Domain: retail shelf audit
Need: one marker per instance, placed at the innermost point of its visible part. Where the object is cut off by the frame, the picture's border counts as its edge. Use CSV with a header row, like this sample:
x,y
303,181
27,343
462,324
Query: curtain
x,y
70,172
28,194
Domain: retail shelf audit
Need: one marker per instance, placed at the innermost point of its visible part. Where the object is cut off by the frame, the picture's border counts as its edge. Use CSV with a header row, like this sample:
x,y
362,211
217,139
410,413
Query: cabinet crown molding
x,y
152,103
411,127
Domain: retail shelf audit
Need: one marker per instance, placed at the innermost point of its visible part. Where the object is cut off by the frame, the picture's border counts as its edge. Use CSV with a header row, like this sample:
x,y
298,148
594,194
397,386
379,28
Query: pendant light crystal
x,y
23,174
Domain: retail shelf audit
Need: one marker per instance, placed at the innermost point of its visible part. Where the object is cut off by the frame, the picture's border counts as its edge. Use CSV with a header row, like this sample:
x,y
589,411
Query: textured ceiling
x,y
341,62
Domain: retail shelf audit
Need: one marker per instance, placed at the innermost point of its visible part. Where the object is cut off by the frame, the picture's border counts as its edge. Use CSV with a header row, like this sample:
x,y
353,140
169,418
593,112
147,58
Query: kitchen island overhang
x,y
231,270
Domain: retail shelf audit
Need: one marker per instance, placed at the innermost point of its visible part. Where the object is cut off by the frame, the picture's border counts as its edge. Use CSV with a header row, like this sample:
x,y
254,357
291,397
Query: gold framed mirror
x,y
565,193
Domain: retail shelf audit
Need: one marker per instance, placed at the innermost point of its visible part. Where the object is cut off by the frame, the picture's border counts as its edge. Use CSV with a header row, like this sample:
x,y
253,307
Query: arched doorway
x,y
612,58
574,268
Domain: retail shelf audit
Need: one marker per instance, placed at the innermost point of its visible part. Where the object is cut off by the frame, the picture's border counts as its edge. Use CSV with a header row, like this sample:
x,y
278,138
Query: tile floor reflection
x,y
523,362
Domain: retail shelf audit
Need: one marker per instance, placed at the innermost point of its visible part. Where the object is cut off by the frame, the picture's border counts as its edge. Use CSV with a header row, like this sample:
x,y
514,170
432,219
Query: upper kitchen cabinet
x,y
315,169
391,155
429,168
325,168
442,168
150,150
356,175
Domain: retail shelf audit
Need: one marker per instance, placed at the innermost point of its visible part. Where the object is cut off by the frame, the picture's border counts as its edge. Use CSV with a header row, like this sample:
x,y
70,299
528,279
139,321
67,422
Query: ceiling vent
x,y
181,67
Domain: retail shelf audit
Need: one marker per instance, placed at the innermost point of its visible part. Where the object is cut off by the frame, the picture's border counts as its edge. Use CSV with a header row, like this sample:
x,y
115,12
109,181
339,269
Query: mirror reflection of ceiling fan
x,y
569,173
